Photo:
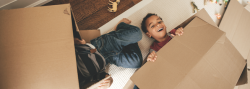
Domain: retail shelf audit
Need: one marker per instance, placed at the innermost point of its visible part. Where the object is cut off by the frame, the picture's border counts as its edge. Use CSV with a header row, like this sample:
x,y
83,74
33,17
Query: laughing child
x,y
153,26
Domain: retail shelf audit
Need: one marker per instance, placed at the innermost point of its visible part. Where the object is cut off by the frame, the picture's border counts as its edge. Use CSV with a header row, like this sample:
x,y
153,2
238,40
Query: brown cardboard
x,y
88,35
37,48
235,23
203,58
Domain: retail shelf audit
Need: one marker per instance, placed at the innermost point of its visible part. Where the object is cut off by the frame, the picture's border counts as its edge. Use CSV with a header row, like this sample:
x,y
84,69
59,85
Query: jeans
x,y
120,47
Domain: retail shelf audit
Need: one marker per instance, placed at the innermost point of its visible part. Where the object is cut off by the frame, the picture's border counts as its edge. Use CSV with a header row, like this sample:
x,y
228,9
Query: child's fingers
x,y
152,56
155,58
149,57
180,33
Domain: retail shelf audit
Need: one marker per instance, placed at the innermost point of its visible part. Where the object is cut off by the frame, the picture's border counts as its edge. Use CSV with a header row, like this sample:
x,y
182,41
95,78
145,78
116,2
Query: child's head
x,y
153,26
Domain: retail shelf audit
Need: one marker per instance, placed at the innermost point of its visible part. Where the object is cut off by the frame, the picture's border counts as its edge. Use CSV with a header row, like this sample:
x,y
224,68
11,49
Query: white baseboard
x,y
38,3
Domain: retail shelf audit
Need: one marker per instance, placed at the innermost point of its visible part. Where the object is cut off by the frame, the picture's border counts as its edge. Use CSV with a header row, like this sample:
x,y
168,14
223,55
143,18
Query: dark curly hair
x,y
143,23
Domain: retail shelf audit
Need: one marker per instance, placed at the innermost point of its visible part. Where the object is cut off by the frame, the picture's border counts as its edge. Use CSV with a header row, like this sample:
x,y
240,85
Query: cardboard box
x,y
37,48
235,23
203,58
88,35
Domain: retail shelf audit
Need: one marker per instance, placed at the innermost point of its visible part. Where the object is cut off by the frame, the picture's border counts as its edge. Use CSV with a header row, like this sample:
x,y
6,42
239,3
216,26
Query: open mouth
x,y
160,29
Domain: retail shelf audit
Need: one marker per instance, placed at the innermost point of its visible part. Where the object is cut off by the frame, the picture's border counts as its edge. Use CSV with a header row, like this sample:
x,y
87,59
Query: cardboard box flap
x,y
88,35
196,40
37,48
197,60
235,23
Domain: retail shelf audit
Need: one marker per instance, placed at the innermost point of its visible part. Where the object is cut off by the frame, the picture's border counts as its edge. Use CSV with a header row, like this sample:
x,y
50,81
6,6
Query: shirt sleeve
x,y
151,50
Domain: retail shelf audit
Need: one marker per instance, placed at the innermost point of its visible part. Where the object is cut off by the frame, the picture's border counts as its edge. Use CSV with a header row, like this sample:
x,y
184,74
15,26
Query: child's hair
x,y
143,23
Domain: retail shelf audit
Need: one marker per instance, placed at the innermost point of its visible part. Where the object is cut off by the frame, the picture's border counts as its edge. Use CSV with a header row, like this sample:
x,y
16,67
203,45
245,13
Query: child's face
x,y
156,28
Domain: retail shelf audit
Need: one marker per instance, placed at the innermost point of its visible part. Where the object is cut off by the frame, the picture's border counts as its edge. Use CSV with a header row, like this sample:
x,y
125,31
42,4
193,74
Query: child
x,y
118,47
153,26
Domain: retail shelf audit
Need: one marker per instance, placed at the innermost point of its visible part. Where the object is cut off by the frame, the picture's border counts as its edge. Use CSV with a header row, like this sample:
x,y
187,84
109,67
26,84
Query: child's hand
x,y
152,57
78,41
125,20
106,83
178,32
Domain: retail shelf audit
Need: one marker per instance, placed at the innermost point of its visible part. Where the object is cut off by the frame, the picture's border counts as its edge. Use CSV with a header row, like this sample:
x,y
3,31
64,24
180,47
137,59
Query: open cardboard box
x,y
37,48
203,58
235,23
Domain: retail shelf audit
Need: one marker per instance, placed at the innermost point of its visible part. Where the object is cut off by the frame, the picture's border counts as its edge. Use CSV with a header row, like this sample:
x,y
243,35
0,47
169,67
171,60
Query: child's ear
x,y
148,35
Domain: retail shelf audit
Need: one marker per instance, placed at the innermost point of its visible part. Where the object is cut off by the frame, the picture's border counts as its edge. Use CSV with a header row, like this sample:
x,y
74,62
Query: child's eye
x,y
152,26
160,22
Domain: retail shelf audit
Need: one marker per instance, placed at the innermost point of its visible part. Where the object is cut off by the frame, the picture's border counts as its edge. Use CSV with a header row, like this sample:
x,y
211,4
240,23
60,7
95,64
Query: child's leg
x,y
129,57
127,34
112,44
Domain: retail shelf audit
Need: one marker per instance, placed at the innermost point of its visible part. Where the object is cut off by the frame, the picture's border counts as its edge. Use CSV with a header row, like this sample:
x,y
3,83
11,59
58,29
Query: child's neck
x,y
162,39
